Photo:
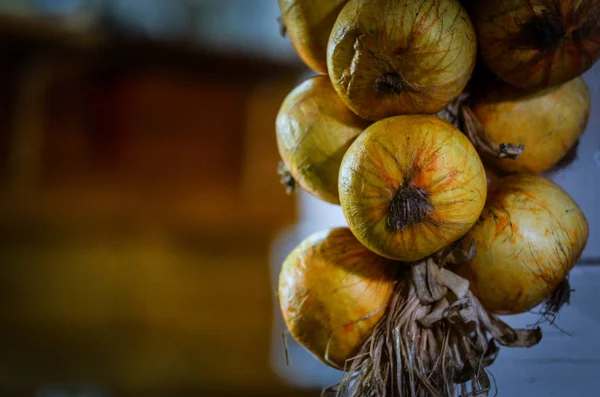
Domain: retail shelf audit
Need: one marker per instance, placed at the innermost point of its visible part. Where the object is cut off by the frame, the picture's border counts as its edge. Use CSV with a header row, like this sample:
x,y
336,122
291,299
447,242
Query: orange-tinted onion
x,y
410,185
529,236
548,123
537,44
400,56
332,292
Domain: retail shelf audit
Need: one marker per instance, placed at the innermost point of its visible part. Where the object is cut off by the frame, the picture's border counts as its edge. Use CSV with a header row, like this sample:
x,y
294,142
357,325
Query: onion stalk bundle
x,y
435,340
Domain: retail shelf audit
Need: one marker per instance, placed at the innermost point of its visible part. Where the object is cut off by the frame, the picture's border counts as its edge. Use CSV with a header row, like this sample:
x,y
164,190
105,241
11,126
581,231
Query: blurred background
x,y
140,196
141,221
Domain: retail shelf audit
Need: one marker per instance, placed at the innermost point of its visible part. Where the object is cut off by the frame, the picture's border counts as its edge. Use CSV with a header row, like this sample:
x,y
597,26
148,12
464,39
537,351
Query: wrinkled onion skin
x,y
308,24
431,44
547,123
332,292
442,163
314,130
530,235
515,57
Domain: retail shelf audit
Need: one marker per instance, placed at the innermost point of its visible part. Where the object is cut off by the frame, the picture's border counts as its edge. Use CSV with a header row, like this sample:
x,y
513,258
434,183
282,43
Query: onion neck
x,y
389,83
409,206
544,31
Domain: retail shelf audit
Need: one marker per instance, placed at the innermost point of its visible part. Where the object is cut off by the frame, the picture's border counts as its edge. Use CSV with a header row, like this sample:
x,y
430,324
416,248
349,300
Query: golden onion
x,y
308,24
410,185
332,292
314,130
400,56
547,123
529,236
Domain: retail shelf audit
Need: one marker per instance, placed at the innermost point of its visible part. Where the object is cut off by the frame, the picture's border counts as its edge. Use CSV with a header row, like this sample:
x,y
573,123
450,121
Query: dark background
x,y
139,197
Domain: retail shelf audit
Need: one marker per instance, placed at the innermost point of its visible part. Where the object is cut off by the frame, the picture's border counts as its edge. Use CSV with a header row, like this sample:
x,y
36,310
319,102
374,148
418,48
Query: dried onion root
x,y
554,303
435,340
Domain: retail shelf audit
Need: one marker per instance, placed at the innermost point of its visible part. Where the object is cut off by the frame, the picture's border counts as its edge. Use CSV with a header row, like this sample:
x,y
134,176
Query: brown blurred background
x,y
139,199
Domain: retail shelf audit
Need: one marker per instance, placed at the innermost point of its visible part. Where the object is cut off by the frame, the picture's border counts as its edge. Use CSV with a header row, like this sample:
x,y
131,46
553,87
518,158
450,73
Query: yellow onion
x,y
308,24
332,292
314,130
529,236
400,56
537,44
547,123
410,185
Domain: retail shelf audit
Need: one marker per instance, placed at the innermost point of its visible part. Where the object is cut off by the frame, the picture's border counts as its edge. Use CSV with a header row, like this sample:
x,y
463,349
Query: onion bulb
x,y
538,44
308,24
410,185
400,56
529,236
547,123
314,129
332,292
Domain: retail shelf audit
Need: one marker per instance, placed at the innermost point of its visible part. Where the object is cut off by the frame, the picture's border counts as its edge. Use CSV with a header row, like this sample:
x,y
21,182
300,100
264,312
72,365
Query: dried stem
x,y
459,113
433,341
484,145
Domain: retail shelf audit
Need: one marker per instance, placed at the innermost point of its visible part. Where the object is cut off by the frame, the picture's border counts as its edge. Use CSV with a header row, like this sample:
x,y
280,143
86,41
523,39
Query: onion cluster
x,y
437,159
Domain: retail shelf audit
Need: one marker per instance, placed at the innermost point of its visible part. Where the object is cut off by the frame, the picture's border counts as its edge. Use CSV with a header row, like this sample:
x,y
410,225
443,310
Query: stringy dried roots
x,y
560,297
433,341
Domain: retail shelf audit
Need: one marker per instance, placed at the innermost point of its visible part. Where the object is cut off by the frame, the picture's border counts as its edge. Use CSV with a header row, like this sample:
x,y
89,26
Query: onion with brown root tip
x,y
547,124
521,131
314,129
436,339
410,185
308,24
332,292
538,44
394,57
529,236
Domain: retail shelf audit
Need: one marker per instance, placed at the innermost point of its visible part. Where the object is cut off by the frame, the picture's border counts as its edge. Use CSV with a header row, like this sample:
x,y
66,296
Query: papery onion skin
x,y
314,129
308,24
420,160
548,123
538,44
400,56
531,233
332,292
